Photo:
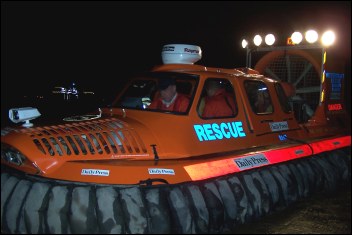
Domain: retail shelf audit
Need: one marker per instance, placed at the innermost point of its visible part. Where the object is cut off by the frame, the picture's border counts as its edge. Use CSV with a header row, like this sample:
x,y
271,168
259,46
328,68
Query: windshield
x,y
159,91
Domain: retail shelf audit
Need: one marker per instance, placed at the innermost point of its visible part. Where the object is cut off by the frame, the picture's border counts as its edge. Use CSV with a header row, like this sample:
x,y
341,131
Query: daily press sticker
x,y
278,126
161,171
251,161
96,172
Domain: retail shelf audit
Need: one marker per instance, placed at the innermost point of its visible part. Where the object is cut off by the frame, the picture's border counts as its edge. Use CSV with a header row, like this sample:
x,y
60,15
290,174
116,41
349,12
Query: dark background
x,y
100,44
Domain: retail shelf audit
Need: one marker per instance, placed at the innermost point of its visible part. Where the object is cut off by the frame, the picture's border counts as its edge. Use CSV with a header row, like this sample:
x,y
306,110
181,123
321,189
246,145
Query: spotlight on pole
x,y
296,37
311,36
244,43
257,40
269,39
328,38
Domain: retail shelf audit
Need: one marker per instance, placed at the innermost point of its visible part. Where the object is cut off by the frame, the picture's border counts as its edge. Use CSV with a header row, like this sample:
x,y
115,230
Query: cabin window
x,y
217,99
144,92
283,99
259,97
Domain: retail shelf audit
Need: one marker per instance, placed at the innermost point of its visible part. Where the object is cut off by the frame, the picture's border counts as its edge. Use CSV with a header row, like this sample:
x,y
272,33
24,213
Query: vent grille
x,y
98,137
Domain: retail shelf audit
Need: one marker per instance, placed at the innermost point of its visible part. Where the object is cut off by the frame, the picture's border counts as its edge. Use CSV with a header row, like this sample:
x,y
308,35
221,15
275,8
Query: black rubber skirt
x,y
37,205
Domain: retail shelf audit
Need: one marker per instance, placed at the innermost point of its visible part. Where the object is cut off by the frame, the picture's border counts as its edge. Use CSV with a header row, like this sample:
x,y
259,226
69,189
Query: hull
x,y
214,205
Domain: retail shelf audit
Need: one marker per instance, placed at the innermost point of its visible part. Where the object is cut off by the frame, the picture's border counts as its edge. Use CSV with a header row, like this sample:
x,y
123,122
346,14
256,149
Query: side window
x,y
284,101
184,87
167,92
259,97
138,94
217,100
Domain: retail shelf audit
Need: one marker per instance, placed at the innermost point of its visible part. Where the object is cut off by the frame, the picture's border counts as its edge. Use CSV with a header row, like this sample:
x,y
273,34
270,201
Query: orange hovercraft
x,y
132,169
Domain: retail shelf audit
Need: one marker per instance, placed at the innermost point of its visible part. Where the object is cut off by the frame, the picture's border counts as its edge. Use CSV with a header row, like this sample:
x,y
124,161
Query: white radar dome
x,y
180,54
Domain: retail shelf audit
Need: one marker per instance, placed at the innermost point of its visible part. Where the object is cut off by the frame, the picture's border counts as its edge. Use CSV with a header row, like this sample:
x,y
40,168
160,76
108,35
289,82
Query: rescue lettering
x,y
333,107
215,131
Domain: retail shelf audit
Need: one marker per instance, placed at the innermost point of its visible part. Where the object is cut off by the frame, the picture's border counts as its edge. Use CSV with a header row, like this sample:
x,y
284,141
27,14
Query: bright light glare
x,y
257,40
328,38
311,36
296,37
244,43
269,39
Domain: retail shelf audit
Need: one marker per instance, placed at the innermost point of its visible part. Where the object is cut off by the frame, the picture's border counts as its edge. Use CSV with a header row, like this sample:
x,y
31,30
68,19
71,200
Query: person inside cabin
x,y
169,99
218,102
262,103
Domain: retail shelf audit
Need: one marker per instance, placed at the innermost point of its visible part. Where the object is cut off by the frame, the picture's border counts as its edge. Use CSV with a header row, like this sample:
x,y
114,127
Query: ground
x,y
319,214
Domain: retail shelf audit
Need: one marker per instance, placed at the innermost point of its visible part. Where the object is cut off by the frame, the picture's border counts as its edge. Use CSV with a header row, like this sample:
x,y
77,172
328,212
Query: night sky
x,y
99,44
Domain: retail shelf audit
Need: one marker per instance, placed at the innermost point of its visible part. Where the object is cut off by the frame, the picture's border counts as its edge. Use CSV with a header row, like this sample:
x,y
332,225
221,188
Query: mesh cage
x,y
302,68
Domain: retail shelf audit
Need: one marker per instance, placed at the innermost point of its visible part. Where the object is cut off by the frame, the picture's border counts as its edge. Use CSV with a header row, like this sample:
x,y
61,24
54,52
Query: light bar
x,y
216,168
